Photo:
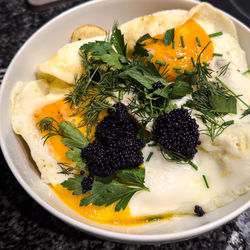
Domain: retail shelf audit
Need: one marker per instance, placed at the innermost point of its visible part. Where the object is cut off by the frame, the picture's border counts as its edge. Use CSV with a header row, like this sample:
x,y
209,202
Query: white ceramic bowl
x,y
42,45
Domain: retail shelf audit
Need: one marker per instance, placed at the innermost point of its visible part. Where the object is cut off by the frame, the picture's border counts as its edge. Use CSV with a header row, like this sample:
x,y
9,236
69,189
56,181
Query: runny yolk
x,y
61,111
189,40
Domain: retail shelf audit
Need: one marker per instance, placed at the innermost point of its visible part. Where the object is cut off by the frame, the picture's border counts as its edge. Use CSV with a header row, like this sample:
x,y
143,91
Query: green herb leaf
x,y
216,34
142,134
168,37
224,104
138,49
102,50
74,184
246,72
180,89
74,137
162,92
75,155
133,177
107,190
246,112
170,107
144,75
117,39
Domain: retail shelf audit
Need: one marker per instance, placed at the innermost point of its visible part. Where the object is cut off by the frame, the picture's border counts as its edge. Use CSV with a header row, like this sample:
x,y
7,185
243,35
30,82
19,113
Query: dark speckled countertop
x,y
26,225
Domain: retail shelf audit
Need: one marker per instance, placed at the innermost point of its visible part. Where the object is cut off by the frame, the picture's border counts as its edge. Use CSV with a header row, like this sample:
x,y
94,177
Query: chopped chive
x,y
192,59
216,34
182,42
176,68
188,72
173,45
160,62
239,70
193,165
198,41
149,57
205,180
180,57
179,72
149,156
120,94
228,123
247,71
217,54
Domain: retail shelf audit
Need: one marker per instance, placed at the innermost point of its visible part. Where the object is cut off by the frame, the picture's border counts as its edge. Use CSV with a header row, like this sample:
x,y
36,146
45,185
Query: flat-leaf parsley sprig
x,y
107,190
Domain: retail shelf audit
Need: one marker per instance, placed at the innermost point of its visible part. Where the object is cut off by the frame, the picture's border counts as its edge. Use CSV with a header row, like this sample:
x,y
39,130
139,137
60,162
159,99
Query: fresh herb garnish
x,y
182,42
177,158
247,71
173,45
198,41
223,69
168,37
66,169
74,184
205,180
216,34
71,137
139,46
217,54
149,156
107,190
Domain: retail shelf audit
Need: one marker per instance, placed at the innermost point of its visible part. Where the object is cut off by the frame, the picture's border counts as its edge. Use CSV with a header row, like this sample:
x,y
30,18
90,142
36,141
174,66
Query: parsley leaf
x,y
180,89
170,107
168,37
223,104
74,184
101,50
75,155
145,75
107,190
133,177
138,49
117,39
73,136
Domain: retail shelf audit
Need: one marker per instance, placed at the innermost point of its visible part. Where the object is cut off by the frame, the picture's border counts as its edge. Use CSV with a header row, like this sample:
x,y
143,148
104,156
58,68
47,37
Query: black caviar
x,y
157,85
87,183
177,132
115,146
198,211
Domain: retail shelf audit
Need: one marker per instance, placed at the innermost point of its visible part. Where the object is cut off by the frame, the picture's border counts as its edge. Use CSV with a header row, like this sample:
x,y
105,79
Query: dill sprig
x,y
49,125
66,169
211,98
171,156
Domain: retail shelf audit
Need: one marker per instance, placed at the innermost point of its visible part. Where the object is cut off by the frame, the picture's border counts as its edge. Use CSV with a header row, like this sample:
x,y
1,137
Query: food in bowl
x,y
149,123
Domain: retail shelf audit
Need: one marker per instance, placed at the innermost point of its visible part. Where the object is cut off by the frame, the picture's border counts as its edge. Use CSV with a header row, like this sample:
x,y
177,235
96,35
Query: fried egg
x,y
174,189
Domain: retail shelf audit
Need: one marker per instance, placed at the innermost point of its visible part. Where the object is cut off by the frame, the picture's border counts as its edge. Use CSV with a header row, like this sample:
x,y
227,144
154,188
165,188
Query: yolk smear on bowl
x,y
61,111
189,40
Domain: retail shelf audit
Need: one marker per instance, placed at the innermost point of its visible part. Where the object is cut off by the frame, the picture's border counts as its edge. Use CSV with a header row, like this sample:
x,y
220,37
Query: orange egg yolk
x,y
189,40
61,111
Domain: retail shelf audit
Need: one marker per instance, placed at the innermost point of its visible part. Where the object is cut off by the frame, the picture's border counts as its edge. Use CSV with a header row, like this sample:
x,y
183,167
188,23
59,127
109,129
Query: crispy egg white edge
x,y
66,63
25,99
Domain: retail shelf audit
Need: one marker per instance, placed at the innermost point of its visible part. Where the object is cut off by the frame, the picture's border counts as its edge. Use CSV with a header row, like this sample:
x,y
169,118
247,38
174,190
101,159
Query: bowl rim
x,y
122,237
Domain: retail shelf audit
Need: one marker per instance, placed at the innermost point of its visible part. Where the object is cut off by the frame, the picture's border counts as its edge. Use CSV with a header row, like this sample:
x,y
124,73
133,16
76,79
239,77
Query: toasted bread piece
x,y
87,31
